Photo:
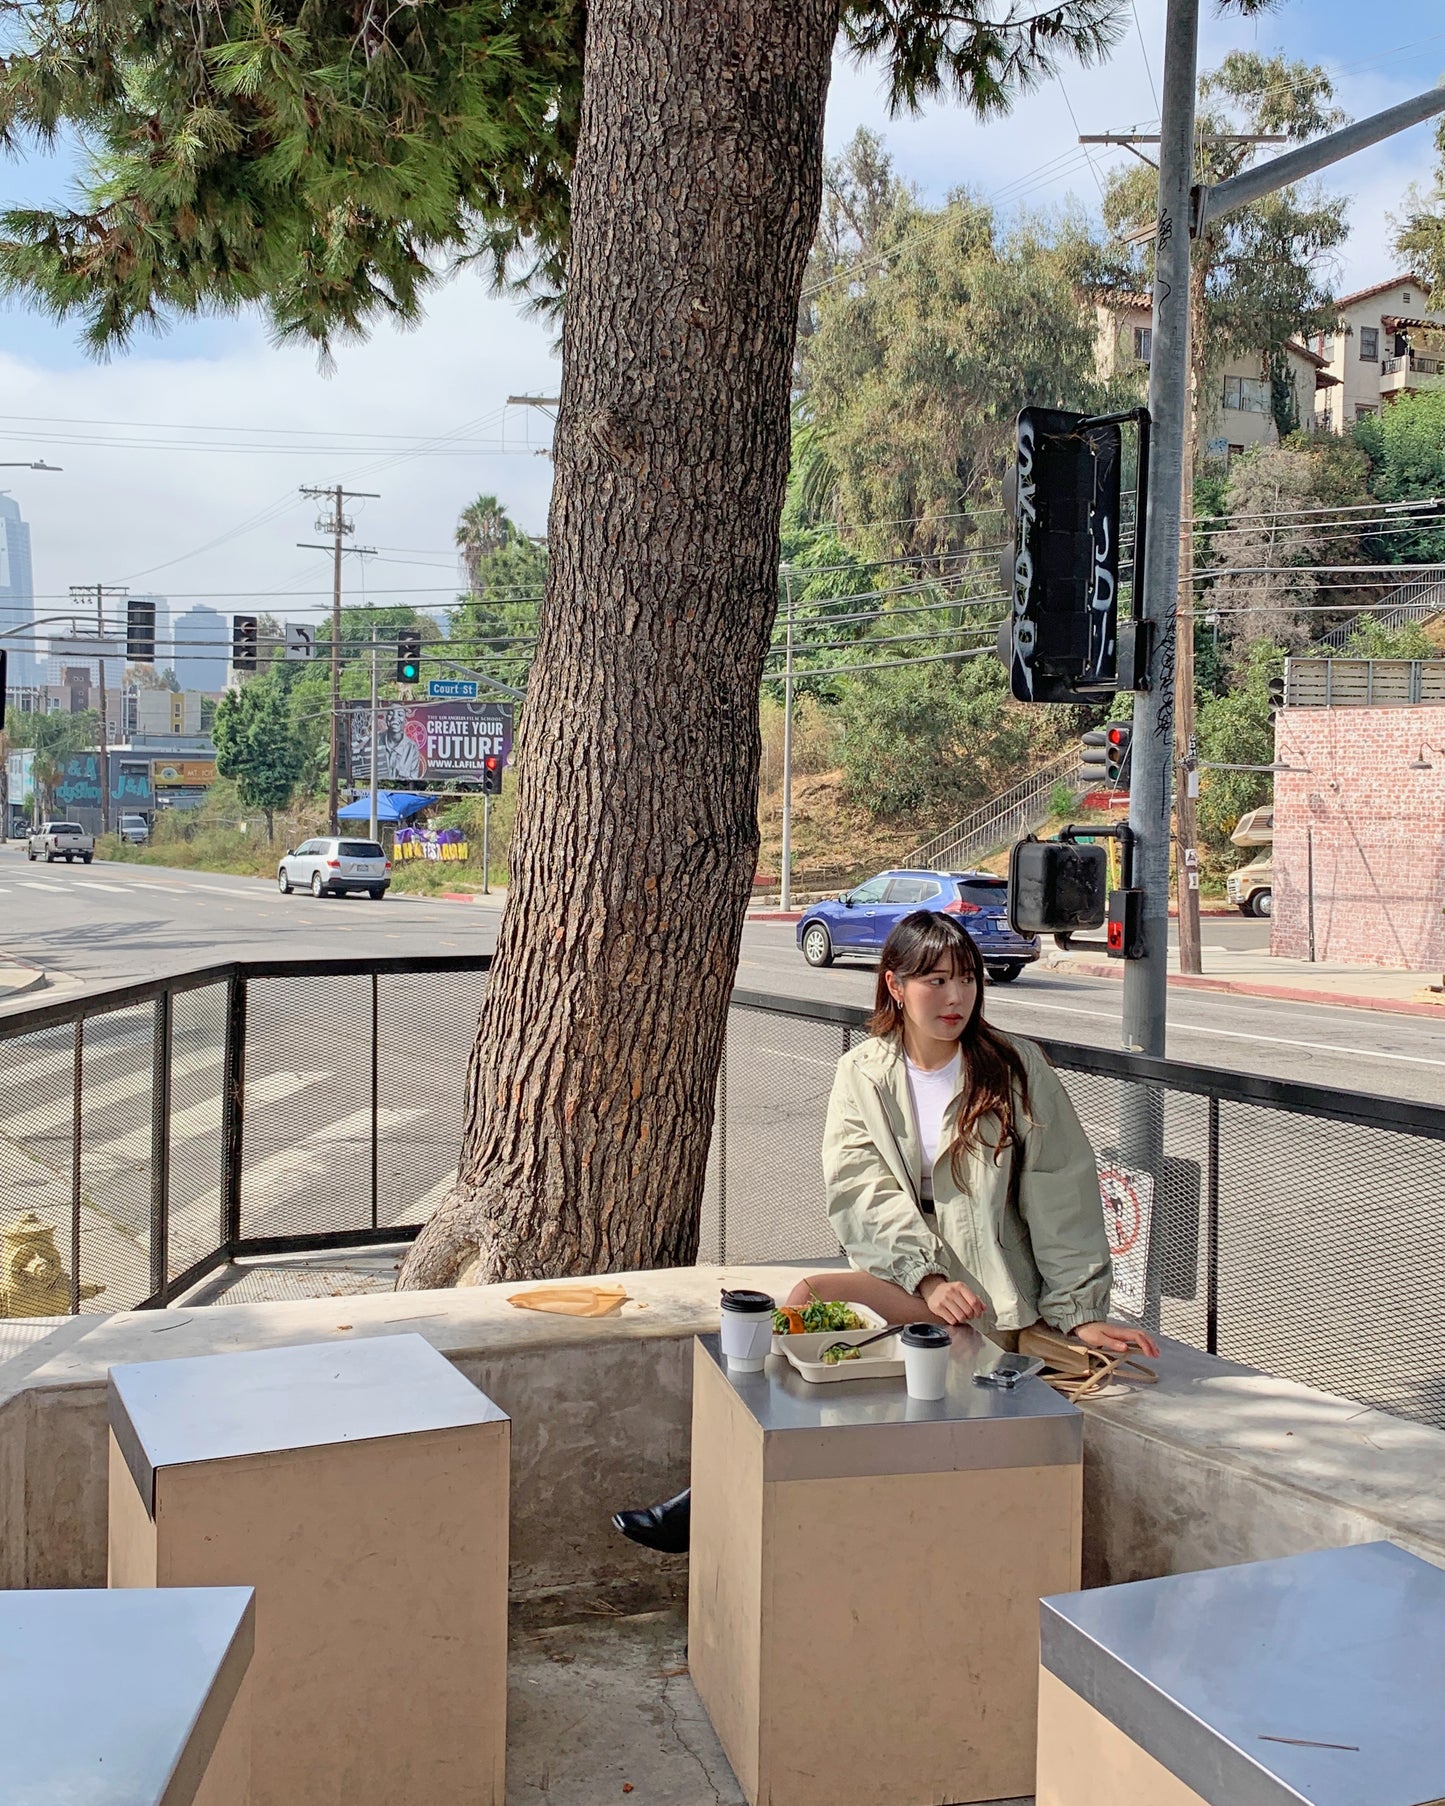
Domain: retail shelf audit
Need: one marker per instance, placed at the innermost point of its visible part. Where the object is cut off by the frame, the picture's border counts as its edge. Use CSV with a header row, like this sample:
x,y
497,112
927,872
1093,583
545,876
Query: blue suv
x,y
860,920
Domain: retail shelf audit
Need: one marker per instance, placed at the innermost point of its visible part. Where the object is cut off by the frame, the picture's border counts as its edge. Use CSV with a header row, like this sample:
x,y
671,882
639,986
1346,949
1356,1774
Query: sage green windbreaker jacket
x,y
1041,1253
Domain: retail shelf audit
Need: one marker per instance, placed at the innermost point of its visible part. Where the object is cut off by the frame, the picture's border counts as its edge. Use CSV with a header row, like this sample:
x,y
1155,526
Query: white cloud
x,y
116,512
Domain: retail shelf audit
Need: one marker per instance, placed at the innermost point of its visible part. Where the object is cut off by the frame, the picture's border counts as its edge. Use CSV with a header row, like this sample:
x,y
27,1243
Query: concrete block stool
x,y
126,1699
362,1488
1318,1680
865,1576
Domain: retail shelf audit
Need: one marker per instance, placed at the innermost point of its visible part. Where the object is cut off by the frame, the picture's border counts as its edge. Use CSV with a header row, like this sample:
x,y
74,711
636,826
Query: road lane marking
x,y
1235,1034
98,884
102,1094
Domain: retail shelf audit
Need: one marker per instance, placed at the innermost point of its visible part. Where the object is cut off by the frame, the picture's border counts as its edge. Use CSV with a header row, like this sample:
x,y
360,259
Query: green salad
x,y
817,1315
832,1356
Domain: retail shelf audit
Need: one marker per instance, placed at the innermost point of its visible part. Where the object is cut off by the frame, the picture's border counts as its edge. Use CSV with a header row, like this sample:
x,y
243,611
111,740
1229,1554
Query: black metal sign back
x,y
1065,567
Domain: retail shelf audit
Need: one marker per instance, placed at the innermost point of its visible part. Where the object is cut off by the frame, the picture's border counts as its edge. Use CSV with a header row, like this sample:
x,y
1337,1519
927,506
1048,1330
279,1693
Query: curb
x,y
1245,987
776,915
37,981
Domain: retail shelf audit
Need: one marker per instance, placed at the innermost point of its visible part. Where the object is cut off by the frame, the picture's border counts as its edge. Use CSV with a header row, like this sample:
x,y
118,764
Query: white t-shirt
x,y
932,1092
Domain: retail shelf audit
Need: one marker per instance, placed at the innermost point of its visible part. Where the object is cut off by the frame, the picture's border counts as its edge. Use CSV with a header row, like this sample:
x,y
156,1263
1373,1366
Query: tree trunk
x,y
589,1098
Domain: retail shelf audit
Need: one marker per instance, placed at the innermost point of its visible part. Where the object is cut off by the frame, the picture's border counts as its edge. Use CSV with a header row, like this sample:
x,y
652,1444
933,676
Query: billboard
x,y
428,742
183,774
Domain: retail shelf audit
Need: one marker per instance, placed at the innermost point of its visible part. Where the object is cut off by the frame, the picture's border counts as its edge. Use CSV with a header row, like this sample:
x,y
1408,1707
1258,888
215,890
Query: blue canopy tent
x,y
391,806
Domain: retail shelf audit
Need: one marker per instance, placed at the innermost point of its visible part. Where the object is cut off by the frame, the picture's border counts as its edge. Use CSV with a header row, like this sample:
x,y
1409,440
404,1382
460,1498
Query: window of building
x,y
1246,394
1363,409
1369,343
1143,344
1235,451
1327,345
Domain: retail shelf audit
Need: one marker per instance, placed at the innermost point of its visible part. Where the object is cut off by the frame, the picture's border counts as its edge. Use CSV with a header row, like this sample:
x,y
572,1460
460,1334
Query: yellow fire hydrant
x,y
33,1282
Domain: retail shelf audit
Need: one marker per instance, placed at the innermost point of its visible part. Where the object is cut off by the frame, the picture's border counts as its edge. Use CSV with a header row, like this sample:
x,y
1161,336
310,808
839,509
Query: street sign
x,y
1128,1199
454,687
300,639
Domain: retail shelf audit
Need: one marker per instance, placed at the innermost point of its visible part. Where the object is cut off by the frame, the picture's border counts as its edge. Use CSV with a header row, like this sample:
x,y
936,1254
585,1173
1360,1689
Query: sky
x,y
182,459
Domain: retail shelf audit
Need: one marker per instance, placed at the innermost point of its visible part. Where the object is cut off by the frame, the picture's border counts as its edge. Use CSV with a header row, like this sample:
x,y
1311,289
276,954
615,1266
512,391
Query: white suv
x,y
330,868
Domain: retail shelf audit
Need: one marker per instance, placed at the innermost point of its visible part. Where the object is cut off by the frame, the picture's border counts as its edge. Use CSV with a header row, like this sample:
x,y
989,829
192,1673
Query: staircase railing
x,y
1002,818
1416,601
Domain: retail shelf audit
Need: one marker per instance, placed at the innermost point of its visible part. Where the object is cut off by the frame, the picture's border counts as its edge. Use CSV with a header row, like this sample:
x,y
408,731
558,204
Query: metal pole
x,y
233,1113
76,1105
1310,881
1145,979
335,753
161,1149
104,728
487,844
372,829
1211,1283
786,899
1253,184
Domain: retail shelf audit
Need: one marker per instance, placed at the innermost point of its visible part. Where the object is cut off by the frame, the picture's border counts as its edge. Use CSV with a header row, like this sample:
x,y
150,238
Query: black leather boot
x,y
666,1527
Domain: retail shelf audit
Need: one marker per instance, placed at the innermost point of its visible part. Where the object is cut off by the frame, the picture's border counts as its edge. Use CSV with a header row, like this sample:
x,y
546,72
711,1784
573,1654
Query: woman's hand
x,y
949,1299
1117,1338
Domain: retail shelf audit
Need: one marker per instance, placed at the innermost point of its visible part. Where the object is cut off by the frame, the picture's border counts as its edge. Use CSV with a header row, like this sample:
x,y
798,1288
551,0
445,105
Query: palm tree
x,y
482,528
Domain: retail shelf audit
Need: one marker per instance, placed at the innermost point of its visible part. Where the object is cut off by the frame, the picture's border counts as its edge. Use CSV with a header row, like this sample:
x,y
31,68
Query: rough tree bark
x,y
590,1091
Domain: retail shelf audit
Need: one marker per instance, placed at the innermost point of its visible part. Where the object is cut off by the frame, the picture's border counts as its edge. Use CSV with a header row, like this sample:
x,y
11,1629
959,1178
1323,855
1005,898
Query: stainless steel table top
x,y
117,1698
1319,1678
217,1407
852,1428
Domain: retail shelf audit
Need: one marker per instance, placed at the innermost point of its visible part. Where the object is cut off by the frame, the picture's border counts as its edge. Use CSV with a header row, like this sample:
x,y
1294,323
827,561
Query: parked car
x,y
135,830
1251,887
65,840
332,867
860,921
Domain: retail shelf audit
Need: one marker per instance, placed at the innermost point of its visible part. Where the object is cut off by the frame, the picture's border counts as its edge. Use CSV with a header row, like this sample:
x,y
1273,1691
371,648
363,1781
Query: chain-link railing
x,y
151,1134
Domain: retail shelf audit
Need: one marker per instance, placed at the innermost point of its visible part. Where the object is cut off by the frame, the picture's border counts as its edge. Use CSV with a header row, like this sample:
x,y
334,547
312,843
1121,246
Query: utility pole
x,y
340,528
786,898
372,817
82,592
1146,979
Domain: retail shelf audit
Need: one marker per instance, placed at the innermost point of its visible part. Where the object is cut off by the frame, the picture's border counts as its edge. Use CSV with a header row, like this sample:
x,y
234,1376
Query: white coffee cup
x,y
927,1348
746,1321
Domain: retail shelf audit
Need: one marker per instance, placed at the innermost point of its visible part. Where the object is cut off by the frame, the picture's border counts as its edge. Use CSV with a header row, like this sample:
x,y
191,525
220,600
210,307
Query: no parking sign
x,y
1128,1199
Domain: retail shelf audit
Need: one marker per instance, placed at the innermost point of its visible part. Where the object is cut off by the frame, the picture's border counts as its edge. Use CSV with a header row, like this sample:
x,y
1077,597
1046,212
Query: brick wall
x,y
1378,832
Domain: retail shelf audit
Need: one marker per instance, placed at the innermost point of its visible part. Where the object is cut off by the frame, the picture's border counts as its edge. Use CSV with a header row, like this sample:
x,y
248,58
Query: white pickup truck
x,y
65,840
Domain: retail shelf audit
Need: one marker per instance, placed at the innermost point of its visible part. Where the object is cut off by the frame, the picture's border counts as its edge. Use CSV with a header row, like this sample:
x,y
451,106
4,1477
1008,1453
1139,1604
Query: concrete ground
x,y
601,1708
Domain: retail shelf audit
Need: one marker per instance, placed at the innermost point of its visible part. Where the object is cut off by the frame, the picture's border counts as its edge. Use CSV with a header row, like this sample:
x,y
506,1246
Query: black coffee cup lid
x,y
925,1335
748,1304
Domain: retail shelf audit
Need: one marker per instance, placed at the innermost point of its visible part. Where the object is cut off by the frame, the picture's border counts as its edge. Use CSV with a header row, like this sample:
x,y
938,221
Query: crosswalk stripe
x,y
96,884
103,1095
199,1119
42,884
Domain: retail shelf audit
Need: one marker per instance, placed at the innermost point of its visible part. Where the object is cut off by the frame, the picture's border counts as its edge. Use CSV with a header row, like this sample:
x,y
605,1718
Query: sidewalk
x,y
17,980
1256,973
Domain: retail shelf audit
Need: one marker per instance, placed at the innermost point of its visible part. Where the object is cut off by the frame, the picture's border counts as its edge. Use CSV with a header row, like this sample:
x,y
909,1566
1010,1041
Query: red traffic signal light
x,y
492,774
1118,737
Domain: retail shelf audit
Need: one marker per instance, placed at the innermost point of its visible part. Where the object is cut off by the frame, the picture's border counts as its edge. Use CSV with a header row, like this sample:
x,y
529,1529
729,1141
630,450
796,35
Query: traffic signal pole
x,y
338,527
1146,978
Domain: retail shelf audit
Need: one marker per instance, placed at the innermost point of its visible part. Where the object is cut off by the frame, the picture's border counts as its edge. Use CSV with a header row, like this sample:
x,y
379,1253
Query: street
x,y
109,923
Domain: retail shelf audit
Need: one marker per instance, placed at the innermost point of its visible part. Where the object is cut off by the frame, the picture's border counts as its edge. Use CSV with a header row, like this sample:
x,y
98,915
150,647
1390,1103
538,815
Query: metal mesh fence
x,y
306,1168
117,1071
1299,1240
428,1022
196,1126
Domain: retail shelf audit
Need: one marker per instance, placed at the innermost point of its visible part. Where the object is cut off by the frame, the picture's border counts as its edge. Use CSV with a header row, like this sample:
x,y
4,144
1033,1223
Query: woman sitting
x,y
959,1180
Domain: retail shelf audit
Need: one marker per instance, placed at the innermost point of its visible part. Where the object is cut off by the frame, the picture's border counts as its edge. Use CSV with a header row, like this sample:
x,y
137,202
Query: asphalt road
x,y
106,923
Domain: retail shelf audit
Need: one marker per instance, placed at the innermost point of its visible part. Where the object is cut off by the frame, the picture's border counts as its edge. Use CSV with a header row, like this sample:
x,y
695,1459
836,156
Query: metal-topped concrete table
x,y
865,1576
1316,1680
362,1488
125,1699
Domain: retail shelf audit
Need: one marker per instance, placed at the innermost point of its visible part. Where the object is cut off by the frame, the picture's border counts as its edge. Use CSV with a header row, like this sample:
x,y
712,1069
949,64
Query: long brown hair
x,y
997,1082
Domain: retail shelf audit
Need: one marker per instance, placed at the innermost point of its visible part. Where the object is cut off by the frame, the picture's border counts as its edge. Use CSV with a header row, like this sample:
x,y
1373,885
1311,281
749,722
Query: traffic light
x,y
1276,697
244,629
408,657
492,775
140,630
1118,738
1093,756
1061,565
